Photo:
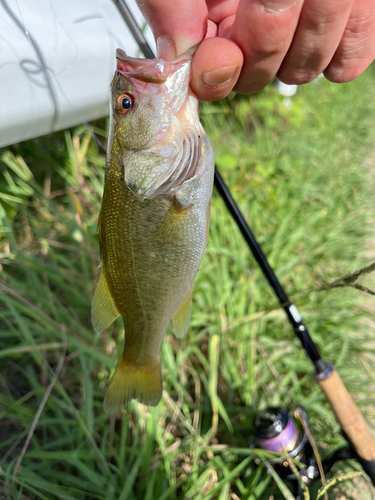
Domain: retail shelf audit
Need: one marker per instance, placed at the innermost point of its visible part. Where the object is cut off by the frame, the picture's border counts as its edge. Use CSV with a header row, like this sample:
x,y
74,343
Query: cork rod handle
x,y
348,415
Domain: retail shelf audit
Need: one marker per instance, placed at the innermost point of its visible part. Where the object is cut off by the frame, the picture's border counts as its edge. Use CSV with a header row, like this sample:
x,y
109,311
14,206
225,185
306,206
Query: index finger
x,y
177,26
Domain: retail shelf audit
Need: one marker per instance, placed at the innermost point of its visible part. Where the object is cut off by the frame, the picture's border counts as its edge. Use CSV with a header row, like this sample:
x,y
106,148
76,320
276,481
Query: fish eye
x,y
124,103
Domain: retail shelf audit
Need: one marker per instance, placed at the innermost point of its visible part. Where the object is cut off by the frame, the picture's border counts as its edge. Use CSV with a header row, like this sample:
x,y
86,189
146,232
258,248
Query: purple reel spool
x,y
274,428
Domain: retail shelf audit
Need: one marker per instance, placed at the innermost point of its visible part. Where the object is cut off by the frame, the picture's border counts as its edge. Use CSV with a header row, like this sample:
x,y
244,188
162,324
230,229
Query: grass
x,y
295,166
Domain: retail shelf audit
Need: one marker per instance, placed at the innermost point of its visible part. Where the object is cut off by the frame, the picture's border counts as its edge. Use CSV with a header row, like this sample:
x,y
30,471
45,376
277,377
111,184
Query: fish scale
x,y
151,244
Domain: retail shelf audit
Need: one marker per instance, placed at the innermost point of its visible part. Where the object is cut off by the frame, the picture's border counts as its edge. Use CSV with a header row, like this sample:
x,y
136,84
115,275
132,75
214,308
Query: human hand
x,y
247,43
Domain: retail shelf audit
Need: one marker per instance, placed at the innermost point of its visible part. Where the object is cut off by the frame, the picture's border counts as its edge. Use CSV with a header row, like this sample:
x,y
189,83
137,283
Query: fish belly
x,y
152,258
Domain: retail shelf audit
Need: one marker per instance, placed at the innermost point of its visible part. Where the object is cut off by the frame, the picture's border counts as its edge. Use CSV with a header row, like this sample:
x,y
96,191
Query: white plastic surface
x,y
77,40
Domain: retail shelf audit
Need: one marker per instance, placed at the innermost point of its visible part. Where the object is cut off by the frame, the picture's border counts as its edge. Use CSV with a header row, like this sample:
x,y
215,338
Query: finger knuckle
x,y
320,20
297,78
262,53
344,72
301,71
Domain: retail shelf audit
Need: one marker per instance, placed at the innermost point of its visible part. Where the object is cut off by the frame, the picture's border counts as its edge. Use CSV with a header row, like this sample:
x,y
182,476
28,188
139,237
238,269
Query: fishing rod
x,y
353,424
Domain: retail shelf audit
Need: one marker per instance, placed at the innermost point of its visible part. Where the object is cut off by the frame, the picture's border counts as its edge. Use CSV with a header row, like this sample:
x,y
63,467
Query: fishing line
x,y
40,57
31,68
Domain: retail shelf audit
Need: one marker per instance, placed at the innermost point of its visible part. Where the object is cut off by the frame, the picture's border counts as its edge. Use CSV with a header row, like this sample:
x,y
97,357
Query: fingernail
x,y
166,48
219,77
276,6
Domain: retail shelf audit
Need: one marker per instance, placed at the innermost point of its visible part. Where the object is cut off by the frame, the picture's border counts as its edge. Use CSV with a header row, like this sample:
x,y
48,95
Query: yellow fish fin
x,y
172,225
130,381
103,309
182,317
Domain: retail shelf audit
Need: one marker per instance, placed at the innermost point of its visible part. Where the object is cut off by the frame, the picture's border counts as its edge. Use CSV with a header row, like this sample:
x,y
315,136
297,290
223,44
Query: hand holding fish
x,y
153,224
247,43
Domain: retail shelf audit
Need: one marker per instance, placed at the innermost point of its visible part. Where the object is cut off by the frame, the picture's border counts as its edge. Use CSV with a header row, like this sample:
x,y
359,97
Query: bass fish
x,y
154,219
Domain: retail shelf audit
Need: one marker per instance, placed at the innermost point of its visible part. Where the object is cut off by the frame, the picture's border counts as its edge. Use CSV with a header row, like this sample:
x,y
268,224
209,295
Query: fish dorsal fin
x,y
103,309
182,317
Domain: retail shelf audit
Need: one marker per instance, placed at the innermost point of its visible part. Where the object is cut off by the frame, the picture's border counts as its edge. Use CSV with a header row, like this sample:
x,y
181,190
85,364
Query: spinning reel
x,y
275,430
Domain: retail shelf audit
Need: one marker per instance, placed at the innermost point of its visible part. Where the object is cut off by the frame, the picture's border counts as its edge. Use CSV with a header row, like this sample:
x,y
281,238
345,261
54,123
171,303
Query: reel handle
x,y
350,418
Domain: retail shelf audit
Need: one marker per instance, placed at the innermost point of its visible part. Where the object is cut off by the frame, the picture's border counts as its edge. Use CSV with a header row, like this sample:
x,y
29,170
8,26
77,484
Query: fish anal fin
x,y
130,381
182,317
103,309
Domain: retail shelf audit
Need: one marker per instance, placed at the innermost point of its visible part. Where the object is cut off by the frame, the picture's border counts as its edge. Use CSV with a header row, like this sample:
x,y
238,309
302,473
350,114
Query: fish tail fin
x,y
130,381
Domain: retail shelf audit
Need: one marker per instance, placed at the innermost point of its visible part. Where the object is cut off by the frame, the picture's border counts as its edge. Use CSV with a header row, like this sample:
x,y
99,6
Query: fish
x,y
154,219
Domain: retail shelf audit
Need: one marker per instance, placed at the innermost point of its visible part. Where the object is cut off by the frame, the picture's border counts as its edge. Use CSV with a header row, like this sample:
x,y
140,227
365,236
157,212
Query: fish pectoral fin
x,y
130,381
182,317
103,309
172,225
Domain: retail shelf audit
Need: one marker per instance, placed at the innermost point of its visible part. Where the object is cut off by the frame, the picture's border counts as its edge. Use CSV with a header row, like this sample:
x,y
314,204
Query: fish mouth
x,y
150,70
